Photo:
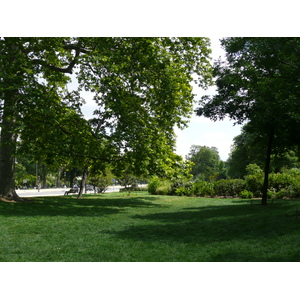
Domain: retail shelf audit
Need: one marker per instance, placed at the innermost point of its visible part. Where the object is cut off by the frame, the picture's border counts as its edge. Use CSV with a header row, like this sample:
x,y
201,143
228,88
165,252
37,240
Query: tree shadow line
x,y
71,206
217,224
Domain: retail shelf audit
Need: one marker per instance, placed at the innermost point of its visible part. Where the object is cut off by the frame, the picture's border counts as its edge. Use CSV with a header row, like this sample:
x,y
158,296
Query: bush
x,y
153,184
165,188
203,188
281,181
158,186
246,194
183,191
253,169
290,192
281,185
281,194
293,191
271,193
101,181
229,187
181,186
254,183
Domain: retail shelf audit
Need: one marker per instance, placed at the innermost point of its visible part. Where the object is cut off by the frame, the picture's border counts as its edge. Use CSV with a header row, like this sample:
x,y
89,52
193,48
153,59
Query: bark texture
x,y
8,150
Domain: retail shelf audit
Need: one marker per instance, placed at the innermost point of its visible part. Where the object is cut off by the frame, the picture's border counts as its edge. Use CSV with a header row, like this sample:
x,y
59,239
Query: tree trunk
x,y
44,171
8,149
267,167
83,182
58,181
11,72
7,164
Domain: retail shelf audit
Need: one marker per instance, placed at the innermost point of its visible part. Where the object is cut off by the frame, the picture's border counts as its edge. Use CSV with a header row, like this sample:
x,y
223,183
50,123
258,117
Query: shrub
x,y
281,181
158,186
238,185
182,191
153,184
253,169
229,187
203,188
246,194
292,191
101,181
254,183
181,186
271,193
284,193
164,188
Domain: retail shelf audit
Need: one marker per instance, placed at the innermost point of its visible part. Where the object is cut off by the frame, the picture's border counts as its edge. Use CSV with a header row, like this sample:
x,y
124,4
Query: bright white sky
x,y
201,131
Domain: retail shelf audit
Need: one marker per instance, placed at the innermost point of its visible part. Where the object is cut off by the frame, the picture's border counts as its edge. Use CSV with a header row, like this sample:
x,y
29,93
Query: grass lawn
x,y
142,227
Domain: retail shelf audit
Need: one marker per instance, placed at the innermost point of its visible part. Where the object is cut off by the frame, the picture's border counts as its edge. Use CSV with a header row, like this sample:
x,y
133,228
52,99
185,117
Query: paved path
x,y
57,192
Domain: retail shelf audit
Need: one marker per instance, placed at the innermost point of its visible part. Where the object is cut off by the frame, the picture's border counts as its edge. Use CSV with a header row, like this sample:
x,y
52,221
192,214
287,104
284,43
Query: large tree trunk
x,y
267,167
83,182
10,69
8,149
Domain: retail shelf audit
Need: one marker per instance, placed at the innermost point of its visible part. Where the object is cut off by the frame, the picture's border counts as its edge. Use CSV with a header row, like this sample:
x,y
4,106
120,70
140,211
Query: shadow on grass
x,y
71,206
240,228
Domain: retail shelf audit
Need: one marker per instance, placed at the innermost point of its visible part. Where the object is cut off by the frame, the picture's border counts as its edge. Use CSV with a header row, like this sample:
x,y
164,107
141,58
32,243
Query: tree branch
x,y
69,68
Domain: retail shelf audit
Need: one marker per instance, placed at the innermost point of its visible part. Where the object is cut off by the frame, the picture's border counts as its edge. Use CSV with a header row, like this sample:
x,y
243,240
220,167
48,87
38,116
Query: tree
x,y
23,62
206,161
101,180
259,84
142,86
248,148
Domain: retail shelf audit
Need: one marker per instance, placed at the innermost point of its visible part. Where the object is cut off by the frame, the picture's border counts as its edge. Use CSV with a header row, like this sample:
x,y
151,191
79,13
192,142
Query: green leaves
x,y
141,85
259,83
205,161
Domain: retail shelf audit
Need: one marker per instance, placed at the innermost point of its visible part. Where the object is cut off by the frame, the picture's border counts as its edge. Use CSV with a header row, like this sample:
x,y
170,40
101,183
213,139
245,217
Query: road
x,y
57,192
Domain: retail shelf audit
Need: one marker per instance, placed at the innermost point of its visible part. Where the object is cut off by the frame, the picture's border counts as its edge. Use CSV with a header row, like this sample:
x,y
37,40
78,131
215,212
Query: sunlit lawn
x,y
115,227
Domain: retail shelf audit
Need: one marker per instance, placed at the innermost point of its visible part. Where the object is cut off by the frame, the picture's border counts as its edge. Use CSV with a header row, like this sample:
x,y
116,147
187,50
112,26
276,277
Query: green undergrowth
x,y
142,227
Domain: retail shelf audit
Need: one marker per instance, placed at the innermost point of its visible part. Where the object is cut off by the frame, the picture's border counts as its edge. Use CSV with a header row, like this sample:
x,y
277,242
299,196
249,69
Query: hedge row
x,y
280,186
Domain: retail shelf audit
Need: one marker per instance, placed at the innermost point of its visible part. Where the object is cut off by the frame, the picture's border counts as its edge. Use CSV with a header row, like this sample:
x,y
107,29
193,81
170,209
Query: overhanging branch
x,y
69,68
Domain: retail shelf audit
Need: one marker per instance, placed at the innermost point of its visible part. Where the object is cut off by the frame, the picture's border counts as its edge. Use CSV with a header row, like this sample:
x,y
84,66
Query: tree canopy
x,y
205,161
142,87
249,148
259,83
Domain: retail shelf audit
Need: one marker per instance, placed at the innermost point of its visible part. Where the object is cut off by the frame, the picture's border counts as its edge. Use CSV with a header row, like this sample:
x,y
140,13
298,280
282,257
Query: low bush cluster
x,y
281,185
222,188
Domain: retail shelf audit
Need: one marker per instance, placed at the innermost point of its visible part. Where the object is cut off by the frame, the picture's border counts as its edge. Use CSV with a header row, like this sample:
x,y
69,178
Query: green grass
x,y
115,227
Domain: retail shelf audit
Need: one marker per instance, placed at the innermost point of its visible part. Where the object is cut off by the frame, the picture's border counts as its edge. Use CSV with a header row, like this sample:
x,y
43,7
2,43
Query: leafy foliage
x,y
142,87
229,187
204,189
246,194
248,148
205,161
281,185
259,84
154,184
101,181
